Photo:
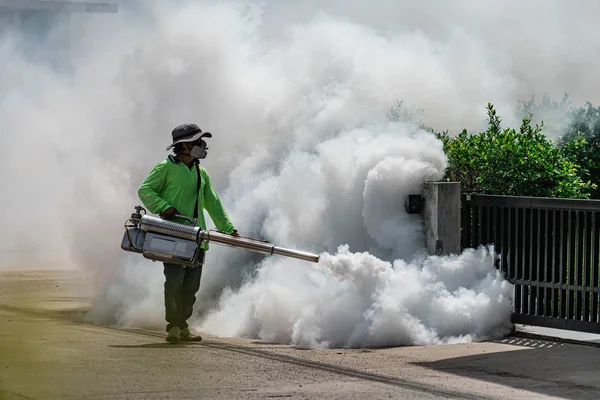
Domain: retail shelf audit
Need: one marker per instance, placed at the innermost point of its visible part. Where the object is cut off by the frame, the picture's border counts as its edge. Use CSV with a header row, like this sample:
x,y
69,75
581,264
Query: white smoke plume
x,y
356,299
296,95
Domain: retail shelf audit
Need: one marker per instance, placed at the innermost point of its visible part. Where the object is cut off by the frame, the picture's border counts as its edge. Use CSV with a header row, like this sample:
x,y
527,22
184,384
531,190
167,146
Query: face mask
x,y
199,151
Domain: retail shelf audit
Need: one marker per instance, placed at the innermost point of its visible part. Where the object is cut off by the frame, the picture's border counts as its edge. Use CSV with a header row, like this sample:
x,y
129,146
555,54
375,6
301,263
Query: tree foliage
x,y
581,140
577,130
522,162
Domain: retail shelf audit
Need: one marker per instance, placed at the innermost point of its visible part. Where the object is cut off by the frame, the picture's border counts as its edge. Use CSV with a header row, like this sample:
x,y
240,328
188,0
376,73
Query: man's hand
x,y
169,213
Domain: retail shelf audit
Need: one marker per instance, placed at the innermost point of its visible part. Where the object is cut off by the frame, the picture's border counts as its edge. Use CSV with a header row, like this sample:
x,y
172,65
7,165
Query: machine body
x,y
167,241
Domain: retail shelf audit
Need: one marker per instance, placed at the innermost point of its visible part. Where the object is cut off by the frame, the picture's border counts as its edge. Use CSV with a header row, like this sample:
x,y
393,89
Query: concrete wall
x,y
441,217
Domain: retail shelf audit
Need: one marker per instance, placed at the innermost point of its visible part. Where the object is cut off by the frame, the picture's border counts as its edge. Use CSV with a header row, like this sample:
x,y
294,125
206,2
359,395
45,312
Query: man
x,y
178,185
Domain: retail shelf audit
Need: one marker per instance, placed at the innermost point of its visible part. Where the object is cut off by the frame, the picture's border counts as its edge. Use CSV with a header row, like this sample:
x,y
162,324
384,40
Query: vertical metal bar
x,y
552,257
489,227
564,259
517,257
556,242
476,226
512,257
484,225
479,216
468,225
512,234
498,234
587,269
533,260
579,265
463,222
471,225
525,245
571,264
506,239
492,225
596,267
524,264
527,259
469,216
541,263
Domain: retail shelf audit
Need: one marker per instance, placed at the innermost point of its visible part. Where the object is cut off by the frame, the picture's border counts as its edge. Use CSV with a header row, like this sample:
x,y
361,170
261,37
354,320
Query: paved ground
x,y
46,352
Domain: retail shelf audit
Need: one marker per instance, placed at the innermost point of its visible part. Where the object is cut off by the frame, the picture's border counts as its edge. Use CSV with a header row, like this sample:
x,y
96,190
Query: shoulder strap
x,y
197,191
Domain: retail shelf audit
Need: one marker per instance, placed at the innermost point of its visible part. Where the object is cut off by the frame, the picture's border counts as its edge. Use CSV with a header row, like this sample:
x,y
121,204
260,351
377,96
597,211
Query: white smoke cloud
x,y
356,299
302,154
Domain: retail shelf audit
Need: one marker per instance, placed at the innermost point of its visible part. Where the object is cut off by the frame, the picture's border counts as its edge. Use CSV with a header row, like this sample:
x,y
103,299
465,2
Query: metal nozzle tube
x,y
191,232
257,246
302,255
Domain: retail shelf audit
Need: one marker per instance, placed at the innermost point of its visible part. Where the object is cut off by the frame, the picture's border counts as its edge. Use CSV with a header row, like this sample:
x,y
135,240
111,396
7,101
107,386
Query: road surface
x,y
47,352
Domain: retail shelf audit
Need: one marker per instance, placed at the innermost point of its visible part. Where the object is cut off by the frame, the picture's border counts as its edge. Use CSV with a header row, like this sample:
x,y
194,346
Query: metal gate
x,y
548,248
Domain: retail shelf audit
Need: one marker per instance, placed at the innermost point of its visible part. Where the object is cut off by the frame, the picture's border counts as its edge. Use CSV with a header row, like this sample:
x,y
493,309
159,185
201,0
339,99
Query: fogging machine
x,y
158,239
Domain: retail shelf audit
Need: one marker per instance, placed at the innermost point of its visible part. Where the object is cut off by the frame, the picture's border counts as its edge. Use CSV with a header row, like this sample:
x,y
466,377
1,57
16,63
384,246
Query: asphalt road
x,y
47,352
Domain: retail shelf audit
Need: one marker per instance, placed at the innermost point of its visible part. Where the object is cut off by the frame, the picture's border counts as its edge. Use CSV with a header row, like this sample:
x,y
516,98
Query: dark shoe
x,y
187,336
174,335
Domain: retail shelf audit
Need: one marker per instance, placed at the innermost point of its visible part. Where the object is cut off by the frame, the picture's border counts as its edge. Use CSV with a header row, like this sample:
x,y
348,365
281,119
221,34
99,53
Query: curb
x,y
529,335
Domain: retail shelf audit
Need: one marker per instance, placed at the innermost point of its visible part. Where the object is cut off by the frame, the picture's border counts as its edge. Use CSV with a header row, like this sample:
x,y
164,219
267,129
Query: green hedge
x,y
524,162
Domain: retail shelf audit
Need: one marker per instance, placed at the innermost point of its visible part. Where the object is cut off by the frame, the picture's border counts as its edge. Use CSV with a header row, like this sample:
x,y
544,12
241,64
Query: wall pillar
x,y
441,216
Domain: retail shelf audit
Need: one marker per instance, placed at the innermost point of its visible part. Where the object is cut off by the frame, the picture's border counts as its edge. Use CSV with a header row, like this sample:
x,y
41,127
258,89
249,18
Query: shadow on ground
x,y
545,367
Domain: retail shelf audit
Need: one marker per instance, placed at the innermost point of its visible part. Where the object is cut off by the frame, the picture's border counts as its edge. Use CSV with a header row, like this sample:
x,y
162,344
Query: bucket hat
x,y
187,133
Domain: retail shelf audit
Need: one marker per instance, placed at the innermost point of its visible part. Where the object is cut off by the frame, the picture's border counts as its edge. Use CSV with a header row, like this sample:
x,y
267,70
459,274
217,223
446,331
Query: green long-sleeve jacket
x,y
172,184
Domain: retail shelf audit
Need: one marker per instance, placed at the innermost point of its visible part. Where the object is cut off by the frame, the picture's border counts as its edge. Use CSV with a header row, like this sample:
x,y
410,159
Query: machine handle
x,y
192,221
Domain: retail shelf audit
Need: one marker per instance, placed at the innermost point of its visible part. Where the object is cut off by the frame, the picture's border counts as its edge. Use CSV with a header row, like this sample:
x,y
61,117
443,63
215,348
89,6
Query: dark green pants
x,y
181,285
